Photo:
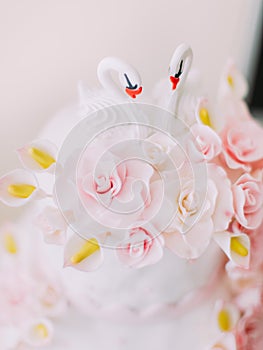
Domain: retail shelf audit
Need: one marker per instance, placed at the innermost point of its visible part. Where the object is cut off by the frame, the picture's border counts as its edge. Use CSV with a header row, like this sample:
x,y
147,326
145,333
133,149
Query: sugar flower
x,y
202,112
38,155
144,246
226,315
208,141
248,200
18,187
242,145
38,332
249,333
113,192
236,247
232,82
52,224
226,341
83,254
209,209
9,240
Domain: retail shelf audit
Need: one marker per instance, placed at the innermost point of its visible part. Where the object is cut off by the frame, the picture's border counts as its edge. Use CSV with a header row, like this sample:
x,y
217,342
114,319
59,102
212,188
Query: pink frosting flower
x,y
205,214
207,217
208,140
242,144
143,247
114,193
249,334
248,200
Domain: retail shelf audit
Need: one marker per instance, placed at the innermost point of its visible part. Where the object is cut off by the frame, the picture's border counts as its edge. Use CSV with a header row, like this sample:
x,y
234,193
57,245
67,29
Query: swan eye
x,y
179,73
129,84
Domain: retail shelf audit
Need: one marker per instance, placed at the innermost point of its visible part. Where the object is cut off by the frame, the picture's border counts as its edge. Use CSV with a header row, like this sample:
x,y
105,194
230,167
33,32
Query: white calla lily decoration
x,y
18,187
38,156
83,254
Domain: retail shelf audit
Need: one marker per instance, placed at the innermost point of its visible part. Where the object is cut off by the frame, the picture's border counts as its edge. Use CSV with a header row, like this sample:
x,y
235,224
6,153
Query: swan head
x,y
129,79
131,83
180,65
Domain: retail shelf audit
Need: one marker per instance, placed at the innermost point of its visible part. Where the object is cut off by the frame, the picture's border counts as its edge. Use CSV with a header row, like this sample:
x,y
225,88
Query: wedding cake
x,y
144,221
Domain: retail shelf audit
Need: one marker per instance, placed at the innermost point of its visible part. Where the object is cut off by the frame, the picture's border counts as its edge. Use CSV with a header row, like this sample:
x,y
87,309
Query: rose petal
x,y
223,211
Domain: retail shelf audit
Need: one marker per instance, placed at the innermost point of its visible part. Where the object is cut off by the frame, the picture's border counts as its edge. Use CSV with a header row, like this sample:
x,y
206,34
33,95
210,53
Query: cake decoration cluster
x,y
175,176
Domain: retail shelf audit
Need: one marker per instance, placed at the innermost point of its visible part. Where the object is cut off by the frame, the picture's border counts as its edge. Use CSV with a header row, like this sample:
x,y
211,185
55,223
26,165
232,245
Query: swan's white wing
x,y
92,99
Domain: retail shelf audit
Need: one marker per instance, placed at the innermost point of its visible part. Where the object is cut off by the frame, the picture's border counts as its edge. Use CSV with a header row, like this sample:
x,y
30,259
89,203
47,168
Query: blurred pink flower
x,y
52,224
249,333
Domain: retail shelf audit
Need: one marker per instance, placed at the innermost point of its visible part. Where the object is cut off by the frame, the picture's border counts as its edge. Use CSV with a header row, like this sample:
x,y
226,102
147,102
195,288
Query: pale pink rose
x,y
249,333
202,210
113,192
242,145
208,141
143,247
248,200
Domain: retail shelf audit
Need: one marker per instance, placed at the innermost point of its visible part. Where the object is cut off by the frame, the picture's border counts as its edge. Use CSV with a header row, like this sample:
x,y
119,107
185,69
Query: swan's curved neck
x,y
182,54
106,68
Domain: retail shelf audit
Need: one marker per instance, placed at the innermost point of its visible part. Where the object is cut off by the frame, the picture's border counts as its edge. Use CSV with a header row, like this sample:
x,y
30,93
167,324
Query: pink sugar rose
x,y
249,333
242,144
114,193
208,141
248,200
143,247
202,210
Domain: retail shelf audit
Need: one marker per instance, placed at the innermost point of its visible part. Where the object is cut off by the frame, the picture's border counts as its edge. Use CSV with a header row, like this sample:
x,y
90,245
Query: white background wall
x,y
47,46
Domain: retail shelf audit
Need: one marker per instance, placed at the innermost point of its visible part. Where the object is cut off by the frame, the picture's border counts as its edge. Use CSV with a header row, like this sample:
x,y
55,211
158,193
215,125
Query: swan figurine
x,y
127,87
179,68
181,92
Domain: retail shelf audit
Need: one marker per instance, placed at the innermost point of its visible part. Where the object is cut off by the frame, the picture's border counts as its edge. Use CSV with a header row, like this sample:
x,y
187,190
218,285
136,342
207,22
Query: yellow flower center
x,y
41,330
10,243
237,247
224,320
88,248
44,159
230,81
205,117
21,190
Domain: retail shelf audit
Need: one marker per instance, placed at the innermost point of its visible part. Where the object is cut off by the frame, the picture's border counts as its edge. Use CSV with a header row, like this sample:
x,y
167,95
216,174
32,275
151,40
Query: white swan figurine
x,y
179,68
129,87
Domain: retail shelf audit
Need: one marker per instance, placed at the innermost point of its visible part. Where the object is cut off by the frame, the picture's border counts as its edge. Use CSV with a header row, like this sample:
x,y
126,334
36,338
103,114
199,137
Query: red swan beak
x,y
174,81
133,93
